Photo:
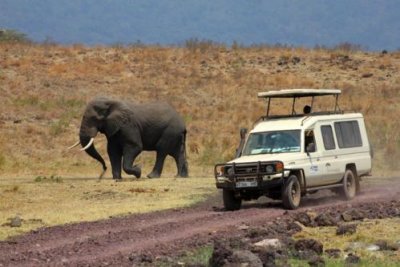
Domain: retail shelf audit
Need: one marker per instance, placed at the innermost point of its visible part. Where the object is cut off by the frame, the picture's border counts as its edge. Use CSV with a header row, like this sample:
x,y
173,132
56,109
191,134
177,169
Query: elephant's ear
x,y
114,119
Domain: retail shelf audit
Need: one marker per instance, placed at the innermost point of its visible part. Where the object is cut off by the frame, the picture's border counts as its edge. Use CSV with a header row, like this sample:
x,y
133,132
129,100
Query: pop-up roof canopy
x,y
297,93
289,93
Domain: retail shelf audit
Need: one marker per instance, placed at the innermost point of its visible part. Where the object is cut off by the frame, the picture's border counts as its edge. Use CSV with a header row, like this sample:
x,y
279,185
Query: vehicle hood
x,y
284,157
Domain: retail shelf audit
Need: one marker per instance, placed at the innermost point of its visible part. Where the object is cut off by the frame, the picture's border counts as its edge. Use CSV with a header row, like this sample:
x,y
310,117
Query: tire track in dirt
x,y
113,240
84,242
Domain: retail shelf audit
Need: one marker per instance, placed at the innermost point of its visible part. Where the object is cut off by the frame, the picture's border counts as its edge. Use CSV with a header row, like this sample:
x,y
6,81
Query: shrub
x,y
195,44
348,47
12,36
52,179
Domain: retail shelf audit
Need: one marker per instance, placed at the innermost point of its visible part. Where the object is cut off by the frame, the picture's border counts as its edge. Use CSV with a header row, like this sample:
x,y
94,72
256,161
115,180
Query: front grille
x,y
250,170
253,169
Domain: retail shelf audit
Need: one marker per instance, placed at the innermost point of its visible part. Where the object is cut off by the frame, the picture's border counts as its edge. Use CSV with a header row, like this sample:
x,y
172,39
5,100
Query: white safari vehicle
x,y
287,156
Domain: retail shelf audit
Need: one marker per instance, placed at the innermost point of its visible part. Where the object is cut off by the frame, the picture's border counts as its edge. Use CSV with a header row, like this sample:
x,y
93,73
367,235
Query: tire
x,y
230,201
291,193
349,188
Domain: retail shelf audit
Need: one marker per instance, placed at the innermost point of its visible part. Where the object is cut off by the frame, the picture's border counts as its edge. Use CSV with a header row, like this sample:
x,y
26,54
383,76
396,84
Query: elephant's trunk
x,y
91,150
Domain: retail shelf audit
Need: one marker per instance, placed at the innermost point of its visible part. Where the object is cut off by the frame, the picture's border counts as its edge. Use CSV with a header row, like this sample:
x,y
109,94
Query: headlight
x,y
269,169
229,170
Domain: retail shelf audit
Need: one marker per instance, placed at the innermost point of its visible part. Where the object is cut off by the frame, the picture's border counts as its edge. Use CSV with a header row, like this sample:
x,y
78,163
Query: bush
x,y
195,44
348,47
12,36
52,179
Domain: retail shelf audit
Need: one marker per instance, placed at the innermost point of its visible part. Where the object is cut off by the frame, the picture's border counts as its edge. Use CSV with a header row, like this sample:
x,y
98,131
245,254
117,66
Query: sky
x,y
374,25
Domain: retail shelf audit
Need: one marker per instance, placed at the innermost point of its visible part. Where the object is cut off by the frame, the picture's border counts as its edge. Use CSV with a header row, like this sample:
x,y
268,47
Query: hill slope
x,y
44,89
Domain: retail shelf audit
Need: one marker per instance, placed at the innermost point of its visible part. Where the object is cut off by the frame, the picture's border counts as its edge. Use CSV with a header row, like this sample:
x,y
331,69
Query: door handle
x,y
328,165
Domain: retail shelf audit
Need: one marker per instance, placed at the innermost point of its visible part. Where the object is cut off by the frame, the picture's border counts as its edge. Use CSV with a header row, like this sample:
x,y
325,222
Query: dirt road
x,y
125,241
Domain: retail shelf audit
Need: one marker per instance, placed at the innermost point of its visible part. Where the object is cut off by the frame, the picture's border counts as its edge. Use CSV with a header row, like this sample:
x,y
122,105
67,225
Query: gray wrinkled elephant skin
x,y
131,128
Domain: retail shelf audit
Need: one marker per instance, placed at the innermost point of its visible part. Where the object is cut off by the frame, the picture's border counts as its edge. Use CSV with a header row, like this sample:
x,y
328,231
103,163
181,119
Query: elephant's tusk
x,y
74,145
88,145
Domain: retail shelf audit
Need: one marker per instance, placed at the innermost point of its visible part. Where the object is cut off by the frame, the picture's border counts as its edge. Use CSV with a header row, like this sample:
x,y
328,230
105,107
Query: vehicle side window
x,y
327,137
348,134
309,141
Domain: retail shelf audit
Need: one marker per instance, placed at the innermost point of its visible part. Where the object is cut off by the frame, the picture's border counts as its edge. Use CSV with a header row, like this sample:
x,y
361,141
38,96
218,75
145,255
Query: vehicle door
x,y
330,155
314,170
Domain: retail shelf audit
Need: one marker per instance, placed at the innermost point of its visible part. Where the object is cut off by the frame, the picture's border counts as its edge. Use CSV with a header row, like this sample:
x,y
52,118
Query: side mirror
x,y
310,148
243,132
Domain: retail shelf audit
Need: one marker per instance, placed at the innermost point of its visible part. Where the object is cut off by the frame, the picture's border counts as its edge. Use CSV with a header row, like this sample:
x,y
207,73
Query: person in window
x,y
307,109
309,141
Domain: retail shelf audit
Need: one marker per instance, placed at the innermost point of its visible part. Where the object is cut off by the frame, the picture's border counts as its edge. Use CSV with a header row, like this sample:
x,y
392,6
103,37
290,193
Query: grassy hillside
x,y
44,89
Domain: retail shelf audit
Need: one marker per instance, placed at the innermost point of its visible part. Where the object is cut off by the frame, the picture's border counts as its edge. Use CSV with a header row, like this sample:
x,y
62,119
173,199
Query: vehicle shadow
x,y
320,198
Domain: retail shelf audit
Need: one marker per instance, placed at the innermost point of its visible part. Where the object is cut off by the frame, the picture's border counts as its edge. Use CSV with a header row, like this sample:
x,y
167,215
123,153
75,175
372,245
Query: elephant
x,y
131,128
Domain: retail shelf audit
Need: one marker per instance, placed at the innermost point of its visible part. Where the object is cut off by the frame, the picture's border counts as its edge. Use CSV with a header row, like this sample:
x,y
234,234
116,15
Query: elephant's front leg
x,y
130,154
115,154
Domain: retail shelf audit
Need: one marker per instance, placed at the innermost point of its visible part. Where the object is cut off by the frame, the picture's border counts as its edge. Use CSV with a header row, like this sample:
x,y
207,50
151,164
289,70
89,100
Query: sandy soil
x,y
130,240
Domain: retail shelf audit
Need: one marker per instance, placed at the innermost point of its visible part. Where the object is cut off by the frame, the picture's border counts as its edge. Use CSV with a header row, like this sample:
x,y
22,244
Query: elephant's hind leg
x,y
179,154
158,166
181,164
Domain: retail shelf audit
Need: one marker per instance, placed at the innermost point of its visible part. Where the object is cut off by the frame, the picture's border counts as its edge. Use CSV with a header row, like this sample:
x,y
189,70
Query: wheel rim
x,y
295,193
350,185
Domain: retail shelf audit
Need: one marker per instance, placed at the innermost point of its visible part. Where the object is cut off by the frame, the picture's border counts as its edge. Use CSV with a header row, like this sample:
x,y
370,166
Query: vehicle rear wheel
x,y
349,188
291,193
231,202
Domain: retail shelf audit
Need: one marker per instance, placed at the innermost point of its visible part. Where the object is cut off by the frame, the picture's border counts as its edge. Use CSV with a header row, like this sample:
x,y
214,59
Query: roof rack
x,y
298,93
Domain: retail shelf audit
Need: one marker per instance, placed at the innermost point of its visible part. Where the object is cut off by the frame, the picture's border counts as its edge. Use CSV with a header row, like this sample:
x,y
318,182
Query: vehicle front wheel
x,y
291,193
349,188
231,202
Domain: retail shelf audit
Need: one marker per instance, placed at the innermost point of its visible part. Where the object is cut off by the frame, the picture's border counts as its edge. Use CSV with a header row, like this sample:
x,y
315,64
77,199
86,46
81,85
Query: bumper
x,y
260,185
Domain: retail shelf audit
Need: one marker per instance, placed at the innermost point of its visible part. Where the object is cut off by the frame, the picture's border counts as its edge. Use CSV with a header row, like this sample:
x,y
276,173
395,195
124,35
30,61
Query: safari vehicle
x,y
287,156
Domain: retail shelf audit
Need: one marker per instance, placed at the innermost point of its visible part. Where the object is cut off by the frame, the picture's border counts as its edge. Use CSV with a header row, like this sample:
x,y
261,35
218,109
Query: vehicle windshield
x,y
272,142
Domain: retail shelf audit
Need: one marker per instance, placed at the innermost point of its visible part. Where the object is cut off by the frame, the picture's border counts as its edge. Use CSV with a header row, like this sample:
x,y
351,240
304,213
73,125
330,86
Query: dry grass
x,y
46,201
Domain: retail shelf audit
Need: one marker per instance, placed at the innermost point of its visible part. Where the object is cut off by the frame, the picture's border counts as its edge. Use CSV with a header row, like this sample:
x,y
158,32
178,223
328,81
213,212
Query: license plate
x,y
246,184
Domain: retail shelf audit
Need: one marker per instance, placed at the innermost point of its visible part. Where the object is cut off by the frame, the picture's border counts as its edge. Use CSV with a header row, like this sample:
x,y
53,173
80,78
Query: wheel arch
x,y
353,168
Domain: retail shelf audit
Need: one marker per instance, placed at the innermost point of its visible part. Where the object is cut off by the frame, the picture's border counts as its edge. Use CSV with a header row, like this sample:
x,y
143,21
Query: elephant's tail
x,y
185,165
184,143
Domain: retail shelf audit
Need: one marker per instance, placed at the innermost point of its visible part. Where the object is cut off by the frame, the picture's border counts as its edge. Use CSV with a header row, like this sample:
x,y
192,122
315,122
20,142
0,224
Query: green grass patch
x,y
341,262
200,256
197,257
369,232
52,200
